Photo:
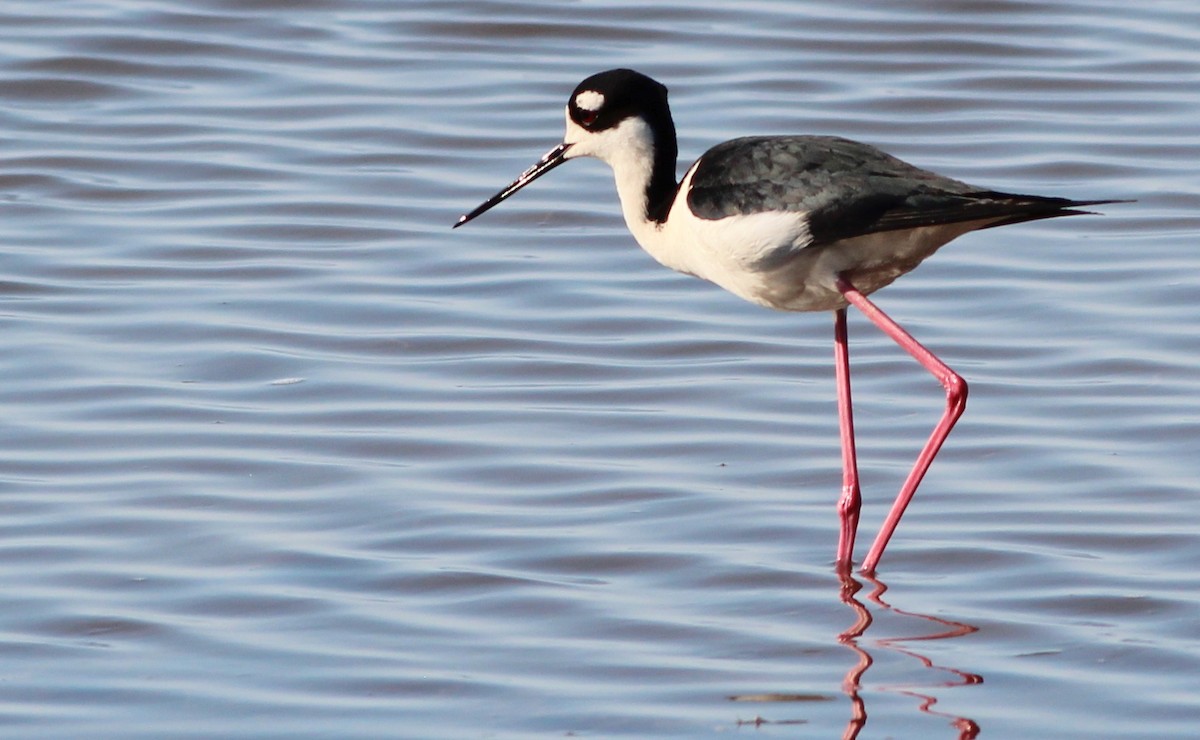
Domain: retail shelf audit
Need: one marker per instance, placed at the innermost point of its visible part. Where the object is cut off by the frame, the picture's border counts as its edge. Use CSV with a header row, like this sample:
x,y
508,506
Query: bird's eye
x,y
588,117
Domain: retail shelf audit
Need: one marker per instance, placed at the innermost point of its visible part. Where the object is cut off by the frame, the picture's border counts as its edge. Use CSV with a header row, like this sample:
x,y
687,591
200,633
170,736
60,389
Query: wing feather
x,y
848,189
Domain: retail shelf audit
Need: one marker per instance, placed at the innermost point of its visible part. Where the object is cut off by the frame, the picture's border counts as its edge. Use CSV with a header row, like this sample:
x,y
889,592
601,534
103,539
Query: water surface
x,y
283,455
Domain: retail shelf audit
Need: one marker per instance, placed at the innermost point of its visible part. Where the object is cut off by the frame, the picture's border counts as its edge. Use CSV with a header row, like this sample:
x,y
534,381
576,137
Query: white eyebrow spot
x,y
589,100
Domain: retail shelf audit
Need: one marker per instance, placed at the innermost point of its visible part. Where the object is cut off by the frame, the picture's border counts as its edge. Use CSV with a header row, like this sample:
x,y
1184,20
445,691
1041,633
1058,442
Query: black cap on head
x,y
607,98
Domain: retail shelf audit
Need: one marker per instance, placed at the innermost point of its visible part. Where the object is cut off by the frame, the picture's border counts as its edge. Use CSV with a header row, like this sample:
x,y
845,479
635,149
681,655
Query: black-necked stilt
x,y
797,223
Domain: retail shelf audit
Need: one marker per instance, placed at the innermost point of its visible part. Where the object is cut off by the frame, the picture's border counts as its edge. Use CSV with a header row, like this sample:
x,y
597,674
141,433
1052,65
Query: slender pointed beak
x,y
549,161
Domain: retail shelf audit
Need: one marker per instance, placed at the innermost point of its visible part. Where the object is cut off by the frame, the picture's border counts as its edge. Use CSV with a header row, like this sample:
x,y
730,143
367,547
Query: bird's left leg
x,y
850,501
956,402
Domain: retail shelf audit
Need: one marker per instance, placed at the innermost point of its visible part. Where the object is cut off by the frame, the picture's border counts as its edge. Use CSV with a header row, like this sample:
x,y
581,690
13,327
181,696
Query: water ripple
x,y
279,443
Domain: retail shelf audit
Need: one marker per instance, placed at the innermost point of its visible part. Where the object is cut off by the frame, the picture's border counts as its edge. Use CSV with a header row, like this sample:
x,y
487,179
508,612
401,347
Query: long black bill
x,y
549,161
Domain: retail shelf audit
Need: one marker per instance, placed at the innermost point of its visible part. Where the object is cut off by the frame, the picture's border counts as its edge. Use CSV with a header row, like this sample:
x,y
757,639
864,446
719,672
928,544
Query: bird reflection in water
x,y
854,638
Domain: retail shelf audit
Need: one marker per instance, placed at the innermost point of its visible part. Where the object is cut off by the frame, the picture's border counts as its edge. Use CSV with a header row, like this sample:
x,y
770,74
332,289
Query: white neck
x,y
629,149
631,167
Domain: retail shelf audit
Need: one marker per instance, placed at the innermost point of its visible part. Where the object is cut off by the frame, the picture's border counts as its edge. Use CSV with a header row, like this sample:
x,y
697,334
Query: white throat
x,y
628,148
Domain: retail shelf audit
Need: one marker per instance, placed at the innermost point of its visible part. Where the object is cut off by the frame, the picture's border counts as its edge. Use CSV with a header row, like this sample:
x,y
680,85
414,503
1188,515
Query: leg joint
x,y
956,393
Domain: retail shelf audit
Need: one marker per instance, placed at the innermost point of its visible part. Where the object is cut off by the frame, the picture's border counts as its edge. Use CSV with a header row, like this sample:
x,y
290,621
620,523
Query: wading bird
x,y
796,223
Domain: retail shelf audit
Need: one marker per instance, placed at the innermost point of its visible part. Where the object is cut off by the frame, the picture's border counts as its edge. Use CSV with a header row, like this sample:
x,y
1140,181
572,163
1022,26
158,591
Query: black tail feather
x,y
1035,208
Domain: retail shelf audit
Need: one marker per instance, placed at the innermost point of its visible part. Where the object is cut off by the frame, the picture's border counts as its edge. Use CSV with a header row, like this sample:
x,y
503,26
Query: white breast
x,y
725,251
734,252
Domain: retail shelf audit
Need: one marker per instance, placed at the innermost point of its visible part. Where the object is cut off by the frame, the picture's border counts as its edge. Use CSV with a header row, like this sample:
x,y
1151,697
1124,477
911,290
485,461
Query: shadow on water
x,y
856,639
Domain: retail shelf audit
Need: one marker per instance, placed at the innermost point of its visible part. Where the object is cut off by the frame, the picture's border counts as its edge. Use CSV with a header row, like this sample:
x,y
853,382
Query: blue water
x,y
281,455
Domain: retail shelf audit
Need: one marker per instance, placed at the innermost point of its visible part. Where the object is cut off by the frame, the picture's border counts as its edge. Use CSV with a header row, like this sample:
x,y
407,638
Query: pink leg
x,y
956,402
851,501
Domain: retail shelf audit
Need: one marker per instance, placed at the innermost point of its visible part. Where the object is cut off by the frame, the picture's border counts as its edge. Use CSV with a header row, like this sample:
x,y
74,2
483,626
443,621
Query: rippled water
x,y
283,455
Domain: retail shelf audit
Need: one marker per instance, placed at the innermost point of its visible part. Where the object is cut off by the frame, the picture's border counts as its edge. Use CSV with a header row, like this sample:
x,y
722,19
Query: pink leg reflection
x,y
851,638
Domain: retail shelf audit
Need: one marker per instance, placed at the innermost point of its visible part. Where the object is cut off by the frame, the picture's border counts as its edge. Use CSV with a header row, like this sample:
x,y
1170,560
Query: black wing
x,y
848,188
